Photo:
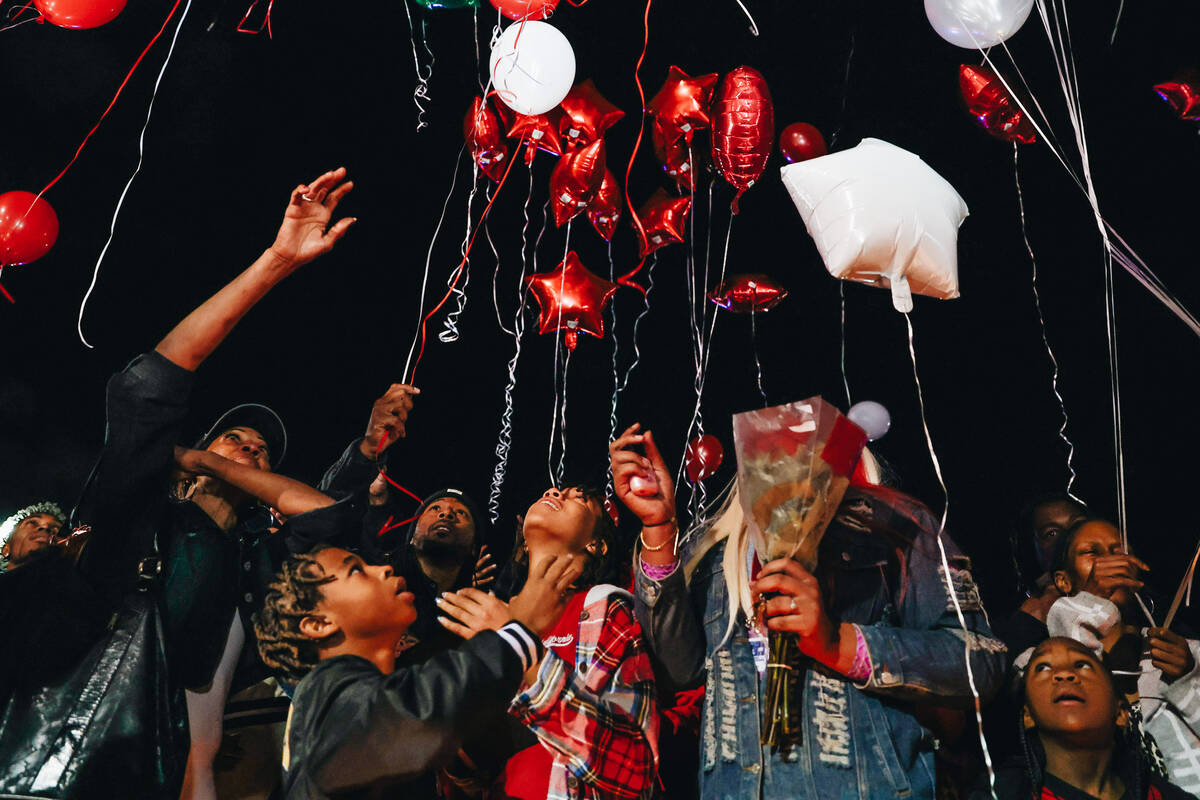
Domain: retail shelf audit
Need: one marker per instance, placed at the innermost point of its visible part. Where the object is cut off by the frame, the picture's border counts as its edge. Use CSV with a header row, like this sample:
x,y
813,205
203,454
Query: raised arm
x,y
304,235
289,496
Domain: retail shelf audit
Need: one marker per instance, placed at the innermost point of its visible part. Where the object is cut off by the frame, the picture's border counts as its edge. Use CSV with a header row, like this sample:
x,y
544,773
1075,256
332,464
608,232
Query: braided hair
x,y
293,596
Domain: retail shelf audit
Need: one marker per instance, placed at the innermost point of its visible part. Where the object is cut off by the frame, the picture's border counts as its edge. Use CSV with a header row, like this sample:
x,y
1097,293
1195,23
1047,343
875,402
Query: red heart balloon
x,y
604,211
992,106
28,228
577,177
481,129
743,128
572,299
703,457
743,294
1183,94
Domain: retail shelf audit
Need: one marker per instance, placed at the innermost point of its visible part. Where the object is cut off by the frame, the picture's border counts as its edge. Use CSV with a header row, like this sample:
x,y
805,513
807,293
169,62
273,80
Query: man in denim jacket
x,y
879,586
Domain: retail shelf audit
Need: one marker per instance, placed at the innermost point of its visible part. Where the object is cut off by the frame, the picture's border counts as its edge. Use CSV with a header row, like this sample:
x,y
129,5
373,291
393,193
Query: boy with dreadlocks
x,y
1077,743
358,726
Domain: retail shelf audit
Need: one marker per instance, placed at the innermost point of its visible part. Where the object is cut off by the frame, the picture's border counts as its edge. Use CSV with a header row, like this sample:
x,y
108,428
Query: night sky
x,y
241,119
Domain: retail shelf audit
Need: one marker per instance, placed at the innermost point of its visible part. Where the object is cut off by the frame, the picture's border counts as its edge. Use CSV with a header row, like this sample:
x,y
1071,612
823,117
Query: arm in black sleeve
x,y
337,525
352,472
384,729
670,627
146,404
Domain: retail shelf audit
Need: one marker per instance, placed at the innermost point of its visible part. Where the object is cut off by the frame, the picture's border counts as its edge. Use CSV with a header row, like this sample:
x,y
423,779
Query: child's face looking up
x,y
1068,693
363,600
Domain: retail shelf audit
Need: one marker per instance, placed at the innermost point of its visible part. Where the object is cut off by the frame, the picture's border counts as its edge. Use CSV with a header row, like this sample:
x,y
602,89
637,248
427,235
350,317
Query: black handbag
x,y
113,725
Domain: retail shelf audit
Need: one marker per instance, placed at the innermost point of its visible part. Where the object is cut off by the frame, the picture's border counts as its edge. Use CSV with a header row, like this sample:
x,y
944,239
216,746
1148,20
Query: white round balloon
x,y
532,67
872,417
976,24
880,215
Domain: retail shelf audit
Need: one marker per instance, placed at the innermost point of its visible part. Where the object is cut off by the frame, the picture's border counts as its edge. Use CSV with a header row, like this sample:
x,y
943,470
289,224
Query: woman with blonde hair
x,y
877,628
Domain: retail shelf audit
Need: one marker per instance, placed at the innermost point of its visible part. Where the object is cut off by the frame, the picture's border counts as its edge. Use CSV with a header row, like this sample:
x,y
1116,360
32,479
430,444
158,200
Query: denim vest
x,y
859,740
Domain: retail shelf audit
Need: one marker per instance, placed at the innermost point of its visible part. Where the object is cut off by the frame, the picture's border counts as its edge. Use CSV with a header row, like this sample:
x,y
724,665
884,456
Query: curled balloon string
x,y
746,11
627,278
845,379
429,253
556,478
496,255
11,16
562,423
612,409
470,244
696,330
504,442
421,91
1037,304
757,360
112,227
637,322
450,324
266,23
968,636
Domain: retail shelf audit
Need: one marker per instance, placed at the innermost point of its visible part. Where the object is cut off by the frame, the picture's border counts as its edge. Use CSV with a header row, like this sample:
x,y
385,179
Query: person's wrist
x,y
369,447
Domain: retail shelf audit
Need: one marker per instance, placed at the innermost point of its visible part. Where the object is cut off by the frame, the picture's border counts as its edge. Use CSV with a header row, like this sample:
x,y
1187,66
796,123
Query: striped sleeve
x,y
527,646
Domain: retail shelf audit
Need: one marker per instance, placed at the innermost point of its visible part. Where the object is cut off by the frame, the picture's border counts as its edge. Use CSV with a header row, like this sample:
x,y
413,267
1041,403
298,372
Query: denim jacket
x,y
859,740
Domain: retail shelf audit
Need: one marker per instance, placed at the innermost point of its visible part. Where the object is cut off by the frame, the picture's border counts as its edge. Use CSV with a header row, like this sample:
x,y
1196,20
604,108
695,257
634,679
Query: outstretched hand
x,y
627,464
389,417
305,233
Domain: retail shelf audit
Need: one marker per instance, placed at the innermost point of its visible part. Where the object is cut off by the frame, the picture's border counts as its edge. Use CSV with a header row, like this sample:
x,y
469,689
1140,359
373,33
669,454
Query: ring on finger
x,y
793,604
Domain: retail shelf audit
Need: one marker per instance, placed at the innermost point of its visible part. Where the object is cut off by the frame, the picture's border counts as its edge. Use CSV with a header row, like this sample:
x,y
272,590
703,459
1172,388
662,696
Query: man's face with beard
x,y
445,531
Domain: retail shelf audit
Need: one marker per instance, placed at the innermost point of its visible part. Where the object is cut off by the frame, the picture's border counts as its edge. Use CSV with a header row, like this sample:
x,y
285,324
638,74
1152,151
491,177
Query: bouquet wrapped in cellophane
x,y
794,466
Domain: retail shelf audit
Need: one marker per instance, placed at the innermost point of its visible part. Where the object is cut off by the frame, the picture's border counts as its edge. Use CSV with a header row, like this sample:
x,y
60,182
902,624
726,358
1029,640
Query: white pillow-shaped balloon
x,y
881,215
532,66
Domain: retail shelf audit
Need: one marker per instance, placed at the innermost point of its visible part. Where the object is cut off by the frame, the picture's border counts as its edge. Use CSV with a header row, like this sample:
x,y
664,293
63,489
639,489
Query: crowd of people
x,y
406,660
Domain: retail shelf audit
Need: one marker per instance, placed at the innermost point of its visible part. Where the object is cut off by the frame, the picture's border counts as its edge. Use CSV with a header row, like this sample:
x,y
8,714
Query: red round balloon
x,y
526,9
28,228
79,13
745,294
800,142
604,211
572,299
680,108
588,114
577,177
992,106
481,129
703,457
663,219
743,128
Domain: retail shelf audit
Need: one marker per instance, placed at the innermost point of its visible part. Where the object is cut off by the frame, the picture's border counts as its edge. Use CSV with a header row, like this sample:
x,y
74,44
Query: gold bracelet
x,y
642,536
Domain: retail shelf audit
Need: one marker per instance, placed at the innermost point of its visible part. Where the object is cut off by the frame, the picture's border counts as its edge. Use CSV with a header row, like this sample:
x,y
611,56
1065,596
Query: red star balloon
x,y
576,178
663,218
540,132
481,129
800,142
681,106
588,114
1183,95
28,228
702,457
992,106
572,299
674,159
743,129
744,294
605,209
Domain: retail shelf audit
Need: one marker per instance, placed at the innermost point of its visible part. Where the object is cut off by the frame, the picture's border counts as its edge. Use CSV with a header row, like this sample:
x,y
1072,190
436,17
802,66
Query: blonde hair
x,y
727,523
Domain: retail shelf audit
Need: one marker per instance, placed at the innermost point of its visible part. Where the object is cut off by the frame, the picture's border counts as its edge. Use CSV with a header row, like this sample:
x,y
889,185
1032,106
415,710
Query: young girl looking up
x,y
590,700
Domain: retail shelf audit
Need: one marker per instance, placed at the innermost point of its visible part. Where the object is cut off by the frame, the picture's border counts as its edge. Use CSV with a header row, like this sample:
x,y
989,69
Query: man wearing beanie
x,y
29,532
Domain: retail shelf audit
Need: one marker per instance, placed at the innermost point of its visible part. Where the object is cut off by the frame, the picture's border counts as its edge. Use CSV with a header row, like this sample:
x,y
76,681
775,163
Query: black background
x,y
240,119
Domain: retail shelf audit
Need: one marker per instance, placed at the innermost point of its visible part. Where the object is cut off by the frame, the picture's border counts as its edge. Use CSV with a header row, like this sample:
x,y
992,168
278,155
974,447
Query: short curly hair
x,y
293,596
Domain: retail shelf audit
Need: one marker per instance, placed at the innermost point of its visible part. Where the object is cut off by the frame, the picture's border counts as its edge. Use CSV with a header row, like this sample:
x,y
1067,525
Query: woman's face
x,y
1068,693
562,520
243,445
1050,521
1093,540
